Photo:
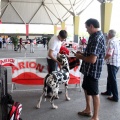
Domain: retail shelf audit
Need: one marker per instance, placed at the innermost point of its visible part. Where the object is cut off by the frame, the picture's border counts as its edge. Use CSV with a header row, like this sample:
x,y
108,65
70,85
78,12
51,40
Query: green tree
x,y
14,41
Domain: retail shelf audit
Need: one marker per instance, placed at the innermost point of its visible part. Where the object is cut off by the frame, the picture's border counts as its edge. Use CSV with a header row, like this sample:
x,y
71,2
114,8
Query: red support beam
x,y
27,29
0,21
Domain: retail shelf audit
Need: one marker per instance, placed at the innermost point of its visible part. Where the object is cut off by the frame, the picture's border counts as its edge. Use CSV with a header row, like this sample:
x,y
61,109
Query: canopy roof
x,y
51,12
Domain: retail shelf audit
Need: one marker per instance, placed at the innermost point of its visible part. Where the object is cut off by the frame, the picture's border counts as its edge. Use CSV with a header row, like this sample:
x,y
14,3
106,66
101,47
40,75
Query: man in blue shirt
x,y
92,60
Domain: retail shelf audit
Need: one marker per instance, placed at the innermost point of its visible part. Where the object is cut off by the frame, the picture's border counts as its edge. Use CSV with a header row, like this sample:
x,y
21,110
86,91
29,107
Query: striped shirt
x,y
113,49
96,46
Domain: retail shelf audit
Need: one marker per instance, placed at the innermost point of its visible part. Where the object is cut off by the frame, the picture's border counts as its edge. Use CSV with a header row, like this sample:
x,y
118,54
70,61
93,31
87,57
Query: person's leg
x,y
3,45
30,47
88,102
51,67
96,106
92,89
114,88
87,110
108,86
23,46
94,92
20,48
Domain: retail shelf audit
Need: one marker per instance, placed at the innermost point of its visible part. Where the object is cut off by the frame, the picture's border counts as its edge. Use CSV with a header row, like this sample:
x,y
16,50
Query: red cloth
x,y
64,50
83,40
73,62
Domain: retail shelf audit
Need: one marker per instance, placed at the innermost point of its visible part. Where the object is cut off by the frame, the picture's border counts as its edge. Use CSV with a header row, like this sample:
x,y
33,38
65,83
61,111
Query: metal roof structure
x,y
51,12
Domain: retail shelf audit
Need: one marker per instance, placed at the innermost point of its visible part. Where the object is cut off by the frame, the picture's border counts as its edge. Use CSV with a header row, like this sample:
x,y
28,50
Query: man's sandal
x,y
83,113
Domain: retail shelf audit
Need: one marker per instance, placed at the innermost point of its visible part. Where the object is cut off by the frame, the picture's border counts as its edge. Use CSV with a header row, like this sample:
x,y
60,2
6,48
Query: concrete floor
x,y
67,110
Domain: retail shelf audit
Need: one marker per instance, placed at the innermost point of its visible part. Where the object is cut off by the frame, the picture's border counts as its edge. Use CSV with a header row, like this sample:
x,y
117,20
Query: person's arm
x,y
78,52
107,56
90,59
50,54
110,50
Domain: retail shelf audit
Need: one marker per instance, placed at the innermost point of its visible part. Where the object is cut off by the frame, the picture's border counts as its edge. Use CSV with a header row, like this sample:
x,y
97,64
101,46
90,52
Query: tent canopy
x,y
51,12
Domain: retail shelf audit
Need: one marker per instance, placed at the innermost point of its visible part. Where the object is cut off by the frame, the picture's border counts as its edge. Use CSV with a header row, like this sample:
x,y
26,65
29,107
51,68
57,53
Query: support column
x,y
63,25
0,13
27,31
55,29
76,28
106,10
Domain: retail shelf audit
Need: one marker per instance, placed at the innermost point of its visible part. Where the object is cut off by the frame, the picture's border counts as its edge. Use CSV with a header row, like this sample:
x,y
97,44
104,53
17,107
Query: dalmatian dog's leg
x,y
66,92
57,89
55,93
40,100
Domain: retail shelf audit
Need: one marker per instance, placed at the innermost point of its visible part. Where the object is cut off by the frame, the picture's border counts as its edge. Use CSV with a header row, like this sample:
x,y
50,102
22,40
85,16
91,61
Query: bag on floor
x,y
15,111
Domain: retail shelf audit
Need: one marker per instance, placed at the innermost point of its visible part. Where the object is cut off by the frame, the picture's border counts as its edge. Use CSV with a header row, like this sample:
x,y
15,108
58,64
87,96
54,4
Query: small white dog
x,y
54,79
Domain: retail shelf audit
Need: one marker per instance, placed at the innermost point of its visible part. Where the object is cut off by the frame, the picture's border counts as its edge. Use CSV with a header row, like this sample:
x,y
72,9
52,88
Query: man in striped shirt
x,y
113,62
91,67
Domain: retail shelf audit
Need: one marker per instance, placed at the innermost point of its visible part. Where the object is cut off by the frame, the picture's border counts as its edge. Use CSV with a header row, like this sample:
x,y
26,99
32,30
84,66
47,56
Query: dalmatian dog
x,y
54,79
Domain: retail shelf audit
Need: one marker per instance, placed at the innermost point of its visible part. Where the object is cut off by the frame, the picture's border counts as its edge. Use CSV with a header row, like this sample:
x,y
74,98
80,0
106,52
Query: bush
x,y
14,41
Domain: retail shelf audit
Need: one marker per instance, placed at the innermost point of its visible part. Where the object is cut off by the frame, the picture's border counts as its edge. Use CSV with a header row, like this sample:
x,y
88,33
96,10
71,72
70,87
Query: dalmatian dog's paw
x,y
55,107
56,97
67,98
38,106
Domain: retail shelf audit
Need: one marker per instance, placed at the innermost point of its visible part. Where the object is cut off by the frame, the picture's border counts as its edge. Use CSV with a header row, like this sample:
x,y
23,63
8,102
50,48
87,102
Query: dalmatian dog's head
x,y
62,58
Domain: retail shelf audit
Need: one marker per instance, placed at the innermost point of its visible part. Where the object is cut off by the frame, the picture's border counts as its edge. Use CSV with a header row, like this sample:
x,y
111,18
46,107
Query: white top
x,y
8,40
113,49
55,45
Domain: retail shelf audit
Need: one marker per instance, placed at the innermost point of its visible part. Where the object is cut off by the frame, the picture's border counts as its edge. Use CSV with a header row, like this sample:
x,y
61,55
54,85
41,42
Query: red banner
x,y
32,71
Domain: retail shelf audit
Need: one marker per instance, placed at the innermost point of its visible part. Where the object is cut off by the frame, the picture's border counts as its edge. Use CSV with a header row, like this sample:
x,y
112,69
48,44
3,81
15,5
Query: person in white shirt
x,y
31,46
54,46
113,62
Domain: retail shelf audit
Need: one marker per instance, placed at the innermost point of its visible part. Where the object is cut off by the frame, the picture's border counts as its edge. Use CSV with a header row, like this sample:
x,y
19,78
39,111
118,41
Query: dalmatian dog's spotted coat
x,y
54,79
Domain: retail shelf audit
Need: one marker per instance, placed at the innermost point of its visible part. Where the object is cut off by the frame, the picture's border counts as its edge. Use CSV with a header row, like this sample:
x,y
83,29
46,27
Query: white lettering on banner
x,y
7,60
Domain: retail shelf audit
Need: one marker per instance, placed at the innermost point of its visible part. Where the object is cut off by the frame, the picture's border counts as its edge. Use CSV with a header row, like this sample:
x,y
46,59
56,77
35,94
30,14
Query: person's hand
x,y
59,64
78,52
78,55
58,54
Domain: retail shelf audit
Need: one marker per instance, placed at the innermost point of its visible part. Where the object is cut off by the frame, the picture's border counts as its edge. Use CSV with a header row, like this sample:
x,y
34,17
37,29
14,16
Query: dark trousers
x,y
111,81
52,66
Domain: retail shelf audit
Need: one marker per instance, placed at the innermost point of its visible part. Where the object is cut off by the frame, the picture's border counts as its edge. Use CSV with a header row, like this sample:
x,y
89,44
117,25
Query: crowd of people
x,y
93,53
18,44
4,41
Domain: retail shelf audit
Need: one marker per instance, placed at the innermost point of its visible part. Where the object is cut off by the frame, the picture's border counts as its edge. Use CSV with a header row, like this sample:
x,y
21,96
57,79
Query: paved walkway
x,y
39,51
29,95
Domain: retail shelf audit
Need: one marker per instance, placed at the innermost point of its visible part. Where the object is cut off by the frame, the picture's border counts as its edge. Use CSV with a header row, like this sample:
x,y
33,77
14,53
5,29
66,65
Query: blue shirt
x,y
96,46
